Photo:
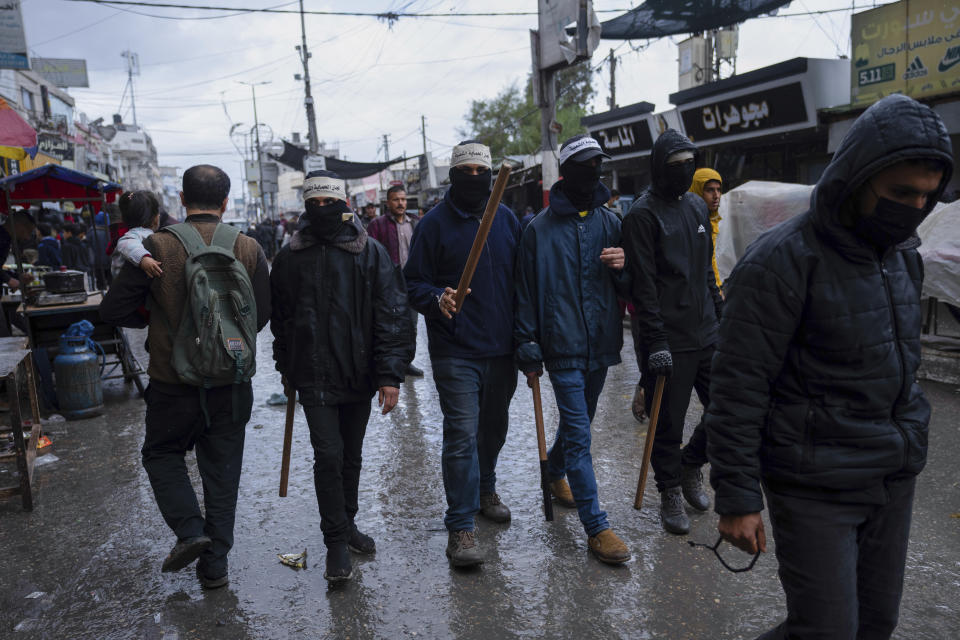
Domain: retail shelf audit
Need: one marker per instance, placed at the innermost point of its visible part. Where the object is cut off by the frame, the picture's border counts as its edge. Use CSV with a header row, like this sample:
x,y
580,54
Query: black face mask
x,y
890,224
677,178
580,180
324,221
469,192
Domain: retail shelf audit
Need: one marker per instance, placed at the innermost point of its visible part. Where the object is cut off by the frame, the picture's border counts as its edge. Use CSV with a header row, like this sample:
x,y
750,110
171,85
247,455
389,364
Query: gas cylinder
x,y
79,390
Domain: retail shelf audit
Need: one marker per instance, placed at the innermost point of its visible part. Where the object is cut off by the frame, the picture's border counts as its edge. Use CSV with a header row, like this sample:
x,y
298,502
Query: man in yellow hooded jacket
x,y
708,184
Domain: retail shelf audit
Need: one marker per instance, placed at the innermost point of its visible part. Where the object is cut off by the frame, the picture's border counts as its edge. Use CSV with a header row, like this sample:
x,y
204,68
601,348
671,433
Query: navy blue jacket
x,y
567,313
441,243
49,252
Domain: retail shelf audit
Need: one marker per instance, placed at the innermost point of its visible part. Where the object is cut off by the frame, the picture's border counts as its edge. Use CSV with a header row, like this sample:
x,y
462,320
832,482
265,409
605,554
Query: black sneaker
x,y
414,371
338,563
360,542
185,552
691,481
211,583
673,516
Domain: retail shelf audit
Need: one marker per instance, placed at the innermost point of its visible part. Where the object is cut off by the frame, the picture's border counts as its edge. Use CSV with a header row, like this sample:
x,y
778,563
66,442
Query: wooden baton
x,y
287,439
542,450
482,232
648,445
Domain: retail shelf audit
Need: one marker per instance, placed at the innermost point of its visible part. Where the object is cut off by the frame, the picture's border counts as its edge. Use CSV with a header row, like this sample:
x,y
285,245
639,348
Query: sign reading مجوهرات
x,y
750,114
910,47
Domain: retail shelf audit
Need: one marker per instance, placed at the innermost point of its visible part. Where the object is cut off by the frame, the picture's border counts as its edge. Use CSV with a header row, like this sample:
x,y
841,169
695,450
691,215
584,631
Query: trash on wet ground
x,y
276,399
47,459
36,594
295,560
258,426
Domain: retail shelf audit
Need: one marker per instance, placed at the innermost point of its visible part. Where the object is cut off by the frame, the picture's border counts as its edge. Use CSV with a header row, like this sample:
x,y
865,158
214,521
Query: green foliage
x,y
509,123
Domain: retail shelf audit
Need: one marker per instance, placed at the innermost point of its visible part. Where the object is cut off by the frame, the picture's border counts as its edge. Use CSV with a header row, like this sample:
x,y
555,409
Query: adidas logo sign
x,y
700,229
915,69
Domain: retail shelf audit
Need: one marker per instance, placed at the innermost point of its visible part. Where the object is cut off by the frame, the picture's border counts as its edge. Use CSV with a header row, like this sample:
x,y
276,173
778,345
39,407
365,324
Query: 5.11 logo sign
x,y
875,75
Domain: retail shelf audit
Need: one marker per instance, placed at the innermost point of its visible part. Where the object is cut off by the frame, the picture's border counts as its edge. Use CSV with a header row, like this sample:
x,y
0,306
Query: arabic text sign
x,y
62,72
750,114
13,42
910,47
55,146
624,139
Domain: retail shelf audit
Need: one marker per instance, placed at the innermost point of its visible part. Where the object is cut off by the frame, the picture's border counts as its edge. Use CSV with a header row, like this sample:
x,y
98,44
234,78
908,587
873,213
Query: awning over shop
x,y
658,18
17,138
55,183
293,156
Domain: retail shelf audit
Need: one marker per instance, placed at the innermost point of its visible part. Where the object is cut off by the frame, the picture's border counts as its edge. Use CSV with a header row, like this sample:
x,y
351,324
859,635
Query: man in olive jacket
x,y
342,333
814,394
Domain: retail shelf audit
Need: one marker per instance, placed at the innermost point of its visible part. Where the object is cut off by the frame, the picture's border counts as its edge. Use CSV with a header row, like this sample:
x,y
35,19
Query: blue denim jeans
x,y
475,399
577,393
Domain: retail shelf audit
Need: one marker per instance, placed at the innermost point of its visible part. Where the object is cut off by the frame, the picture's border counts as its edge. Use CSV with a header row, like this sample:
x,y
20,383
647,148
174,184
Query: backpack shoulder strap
x,y
189,237
225,237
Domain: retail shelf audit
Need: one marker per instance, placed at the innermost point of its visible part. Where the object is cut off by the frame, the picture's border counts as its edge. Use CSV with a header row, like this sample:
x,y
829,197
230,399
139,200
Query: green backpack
x,y
216,342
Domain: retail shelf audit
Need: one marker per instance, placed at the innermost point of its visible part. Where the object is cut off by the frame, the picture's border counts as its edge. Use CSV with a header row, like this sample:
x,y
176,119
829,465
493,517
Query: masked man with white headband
x,y
666,236
569,273
471,349
342,333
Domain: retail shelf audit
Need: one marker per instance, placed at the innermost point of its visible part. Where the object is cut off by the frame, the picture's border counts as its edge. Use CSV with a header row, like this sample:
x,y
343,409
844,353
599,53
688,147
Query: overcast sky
x,y
369,77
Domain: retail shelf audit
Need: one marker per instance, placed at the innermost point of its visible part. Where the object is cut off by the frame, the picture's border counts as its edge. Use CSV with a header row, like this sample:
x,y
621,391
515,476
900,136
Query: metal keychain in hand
x,y
726,566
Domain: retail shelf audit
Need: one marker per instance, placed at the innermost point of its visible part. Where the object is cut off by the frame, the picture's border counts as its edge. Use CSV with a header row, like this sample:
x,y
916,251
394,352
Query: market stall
x,y
48,308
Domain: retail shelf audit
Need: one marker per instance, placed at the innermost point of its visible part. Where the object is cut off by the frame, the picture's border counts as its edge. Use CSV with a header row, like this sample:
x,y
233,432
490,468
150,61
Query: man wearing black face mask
x,y
471,349
342,333
814,395
666,236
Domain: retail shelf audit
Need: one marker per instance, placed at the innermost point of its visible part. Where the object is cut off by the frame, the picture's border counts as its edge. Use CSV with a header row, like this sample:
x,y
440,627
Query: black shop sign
x,y
625,139
746,114
55,146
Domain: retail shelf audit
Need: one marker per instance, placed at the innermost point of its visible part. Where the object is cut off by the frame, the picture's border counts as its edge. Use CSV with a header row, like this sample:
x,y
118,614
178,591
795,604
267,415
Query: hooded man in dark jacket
x,y
666,236
569,272
342,333
471,350
814,393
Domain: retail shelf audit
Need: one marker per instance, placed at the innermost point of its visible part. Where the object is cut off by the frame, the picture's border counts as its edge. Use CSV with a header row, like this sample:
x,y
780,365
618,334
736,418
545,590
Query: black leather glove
x,y
660,363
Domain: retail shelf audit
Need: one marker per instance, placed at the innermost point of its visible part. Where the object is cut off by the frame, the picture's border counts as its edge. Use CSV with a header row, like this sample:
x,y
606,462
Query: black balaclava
x,y
469,192
677,177
324,222
580,180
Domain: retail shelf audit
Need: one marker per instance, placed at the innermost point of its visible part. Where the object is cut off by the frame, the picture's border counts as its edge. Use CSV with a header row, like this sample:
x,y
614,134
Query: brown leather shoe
x,y
608,547
561,491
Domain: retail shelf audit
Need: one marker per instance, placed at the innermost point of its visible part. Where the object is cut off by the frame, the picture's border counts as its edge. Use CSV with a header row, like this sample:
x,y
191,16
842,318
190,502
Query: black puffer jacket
x,y
813,385
340,319
670,257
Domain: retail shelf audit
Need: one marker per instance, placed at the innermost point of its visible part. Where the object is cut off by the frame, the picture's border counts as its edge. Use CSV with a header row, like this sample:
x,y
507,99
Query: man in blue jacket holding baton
x,y
569,273
471,349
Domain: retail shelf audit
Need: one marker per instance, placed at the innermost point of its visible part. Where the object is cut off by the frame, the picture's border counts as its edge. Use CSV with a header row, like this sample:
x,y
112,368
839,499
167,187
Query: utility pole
x,y
308,99
423,133
256,133
133,69
613,81
386,147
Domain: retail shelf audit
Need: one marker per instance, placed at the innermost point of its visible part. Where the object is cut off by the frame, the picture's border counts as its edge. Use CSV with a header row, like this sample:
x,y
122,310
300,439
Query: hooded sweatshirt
x,y
813,386
700,180
669,254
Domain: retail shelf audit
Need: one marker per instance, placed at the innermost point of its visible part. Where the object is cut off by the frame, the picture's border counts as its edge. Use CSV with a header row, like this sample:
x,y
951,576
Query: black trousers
x,y
102,277
336,433
691,372
175,424
841,565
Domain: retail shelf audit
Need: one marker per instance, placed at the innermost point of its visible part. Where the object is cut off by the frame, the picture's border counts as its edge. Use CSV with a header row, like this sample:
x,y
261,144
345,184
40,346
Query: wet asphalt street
x,y
93,545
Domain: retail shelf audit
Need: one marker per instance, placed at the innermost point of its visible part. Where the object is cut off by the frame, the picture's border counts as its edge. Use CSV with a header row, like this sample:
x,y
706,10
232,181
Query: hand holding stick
x,y
648,444
493,203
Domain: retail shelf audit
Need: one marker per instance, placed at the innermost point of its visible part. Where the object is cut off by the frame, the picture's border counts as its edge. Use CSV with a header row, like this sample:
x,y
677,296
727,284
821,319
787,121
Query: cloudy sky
x,y
369,78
